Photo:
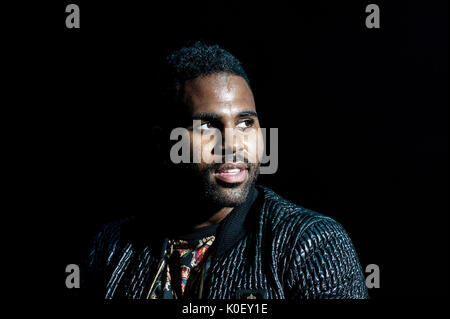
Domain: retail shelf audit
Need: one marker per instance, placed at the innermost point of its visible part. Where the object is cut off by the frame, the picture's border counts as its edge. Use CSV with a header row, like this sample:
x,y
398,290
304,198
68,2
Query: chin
x,y
230,195
223,194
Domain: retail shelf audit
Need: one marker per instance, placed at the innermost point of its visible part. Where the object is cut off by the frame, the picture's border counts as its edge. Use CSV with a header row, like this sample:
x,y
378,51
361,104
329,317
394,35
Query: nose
x,y
232,144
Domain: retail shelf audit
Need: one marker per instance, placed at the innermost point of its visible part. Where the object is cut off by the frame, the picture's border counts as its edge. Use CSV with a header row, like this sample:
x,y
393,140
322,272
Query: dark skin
x,y
222,101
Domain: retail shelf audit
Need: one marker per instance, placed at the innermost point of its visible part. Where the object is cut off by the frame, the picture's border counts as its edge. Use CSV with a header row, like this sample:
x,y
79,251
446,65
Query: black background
x,y
362,117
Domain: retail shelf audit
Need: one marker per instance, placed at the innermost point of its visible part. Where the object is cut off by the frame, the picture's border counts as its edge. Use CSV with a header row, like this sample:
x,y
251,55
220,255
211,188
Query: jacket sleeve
x,y
103,246
324,264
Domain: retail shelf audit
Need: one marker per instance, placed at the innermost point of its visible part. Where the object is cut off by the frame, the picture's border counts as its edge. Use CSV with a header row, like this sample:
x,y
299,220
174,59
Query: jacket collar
x,y
234,226
231,229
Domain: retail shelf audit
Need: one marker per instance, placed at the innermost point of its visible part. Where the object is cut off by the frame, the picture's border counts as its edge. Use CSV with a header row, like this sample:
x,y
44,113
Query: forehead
x,y
220,93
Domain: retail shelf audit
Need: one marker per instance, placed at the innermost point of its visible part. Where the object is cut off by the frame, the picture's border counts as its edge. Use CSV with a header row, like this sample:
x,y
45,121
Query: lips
x,y
232,172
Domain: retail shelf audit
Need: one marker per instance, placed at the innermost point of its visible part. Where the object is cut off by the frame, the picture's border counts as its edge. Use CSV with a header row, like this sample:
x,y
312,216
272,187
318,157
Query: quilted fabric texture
x,y
275,247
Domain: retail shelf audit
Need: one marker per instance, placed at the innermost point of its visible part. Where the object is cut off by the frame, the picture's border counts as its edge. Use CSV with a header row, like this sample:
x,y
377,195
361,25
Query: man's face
x,y
223,102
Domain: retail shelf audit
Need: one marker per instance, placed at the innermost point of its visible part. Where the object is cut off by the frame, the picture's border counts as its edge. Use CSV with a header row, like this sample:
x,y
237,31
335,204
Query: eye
x,y
245,124
205,126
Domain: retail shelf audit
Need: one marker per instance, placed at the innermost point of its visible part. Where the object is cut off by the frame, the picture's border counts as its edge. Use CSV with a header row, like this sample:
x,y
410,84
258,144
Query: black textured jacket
x,y
267,247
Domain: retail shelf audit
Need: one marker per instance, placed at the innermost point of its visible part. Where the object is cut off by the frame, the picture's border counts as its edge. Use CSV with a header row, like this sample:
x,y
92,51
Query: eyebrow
x,y
248,113
214,116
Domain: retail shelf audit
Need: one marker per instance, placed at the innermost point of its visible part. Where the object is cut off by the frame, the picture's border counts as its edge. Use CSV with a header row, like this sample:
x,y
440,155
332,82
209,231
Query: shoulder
x,y
110,232
322,259
297,225
279,213
106,240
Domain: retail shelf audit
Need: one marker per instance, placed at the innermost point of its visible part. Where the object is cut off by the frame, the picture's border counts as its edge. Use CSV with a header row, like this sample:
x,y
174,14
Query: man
x,y
221,236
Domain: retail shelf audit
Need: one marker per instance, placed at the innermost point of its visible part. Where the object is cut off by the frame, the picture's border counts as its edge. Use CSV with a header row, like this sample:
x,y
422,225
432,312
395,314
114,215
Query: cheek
x,y
202,147
209,142
254,146
196,146
260,146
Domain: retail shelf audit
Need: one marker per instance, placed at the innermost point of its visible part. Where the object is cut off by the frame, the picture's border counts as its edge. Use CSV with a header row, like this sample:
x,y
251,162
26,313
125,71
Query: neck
x,y
215,218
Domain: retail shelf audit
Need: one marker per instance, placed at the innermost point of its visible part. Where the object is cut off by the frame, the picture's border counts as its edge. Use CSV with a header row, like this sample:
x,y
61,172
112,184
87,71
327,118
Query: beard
x,y
227,194
198,181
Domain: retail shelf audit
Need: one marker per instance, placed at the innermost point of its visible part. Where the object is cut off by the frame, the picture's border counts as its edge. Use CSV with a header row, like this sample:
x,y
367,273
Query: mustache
x,y
214,167
232,158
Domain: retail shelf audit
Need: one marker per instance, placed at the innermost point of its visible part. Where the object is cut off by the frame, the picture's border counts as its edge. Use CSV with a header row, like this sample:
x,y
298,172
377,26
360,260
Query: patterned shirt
x,y
186,261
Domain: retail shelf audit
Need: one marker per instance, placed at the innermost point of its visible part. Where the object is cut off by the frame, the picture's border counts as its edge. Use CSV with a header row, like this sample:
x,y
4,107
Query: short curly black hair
x,y
199,59
189,62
